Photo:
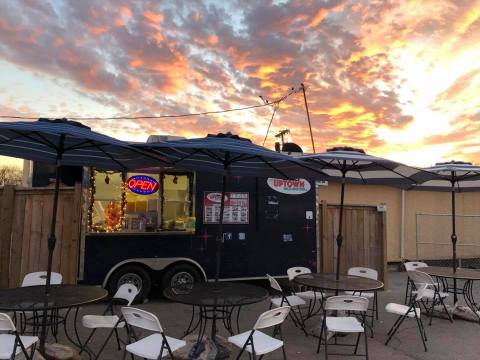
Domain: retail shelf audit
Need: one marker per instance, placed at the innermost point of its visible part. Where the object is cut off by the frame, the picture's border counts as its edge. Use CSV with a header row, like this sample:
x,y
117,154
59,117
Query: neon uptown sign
x,y
142,184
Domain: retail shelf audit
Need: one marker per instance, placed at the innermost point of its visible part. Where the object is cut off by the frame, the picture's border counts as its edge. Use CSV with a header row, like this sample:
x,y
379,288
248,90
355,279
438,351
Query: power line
x,y
276,106
271,103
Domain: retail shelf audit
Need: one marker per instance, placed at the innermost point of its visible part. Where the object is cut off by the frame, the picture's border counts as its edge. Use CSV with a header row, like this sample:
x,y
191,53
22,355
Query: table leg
x,y
191,329
77,341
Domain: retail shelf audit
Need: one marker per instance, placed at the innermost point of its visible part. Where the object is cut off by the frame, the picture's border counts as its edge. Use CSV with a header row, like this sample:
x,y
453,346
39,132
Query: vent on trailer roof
x,y
159,138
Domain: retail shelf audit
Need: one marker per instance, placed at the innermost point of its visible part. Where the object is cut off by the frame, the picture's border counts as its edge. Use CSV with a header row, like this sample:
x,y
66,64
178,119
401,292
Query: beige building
x,y
417,223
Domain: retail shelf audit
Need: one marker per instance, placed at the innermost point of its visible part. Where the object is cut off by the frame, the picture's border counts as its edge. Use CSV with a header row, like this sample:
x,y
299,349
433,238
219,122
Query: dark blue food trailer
x,y
169,236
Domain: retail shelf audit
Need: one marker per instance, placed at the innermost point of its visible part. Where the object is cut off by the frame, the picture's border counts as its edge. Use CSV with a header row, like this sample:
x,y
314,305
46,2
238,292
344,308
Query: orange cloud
x,y
98,30
213,40
153,17
125,11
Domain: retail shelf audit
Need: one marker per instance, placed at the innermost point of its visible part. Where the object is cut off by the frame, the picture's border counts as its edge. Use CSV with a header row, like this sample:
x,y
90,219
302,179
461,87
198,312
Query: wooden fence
x,y
25,216
364,238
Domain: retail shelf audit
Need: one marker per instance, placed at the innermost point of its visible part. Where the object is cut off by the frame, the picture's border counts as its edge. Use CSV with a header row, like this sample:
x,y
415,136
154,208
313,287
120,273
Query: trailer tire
x,y
132,274
180,274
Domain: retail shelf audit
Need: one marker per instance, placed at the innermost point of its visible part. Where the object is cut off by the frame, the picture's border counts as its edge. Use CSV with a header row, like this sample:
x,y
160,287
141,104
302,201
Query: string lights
x,y
114,212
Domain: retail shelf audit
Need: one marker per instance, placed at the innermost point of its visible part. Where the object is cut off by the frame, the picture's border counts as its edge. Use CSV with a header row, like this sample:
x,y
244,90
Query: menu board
x,y
236,208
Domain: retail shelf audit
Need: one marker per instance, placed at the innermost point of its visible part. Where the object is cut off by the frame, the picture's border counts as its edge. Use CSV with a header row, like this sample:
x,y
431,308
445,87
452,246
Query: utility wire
x,y
276,106
269,124
272,103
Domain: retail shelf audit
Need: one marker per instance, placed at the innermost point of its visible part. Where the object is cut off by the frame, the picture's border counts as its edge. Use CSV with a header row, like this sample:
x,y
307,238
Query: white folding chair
x,y
256,342
431,292
344,324
294,301
39,278
154,346
369,274
313,297
126,293
11,343
411,266
411,311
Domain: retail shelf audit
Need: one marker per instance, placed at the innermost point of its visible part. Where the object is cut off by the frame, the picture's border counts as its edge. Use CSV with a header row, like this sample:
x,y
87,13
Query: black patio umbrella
x,y
65,142
228,155
453,176
355,166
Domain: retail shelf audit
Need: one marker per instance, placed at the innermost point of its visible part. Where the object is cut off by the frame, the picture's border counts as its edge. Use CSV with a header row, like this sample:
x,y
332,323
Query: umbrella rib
x,y
110,156
301,164
186,156
325,164
11,139
242,157
144,153
48,141
158,153
273,167
79,146
361,176
468,175
212,155
49,144
396,172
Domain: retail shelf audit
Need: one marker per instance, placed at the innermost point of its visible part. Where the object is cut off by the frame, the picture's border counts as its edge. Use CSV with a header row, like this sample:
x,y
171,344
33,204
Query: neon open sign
x,y
142,184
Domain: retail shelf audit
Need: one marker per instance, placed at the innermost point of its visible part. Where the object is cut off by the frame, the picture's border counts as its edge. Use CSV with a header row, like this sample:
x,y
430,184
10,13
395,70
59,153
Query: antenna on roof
x,y
282,134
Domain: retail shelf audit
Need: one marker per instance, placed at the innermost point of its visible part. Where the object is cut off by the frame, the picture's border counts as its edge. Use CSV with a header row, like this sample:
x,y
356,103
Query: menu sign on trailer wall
x,y
236,209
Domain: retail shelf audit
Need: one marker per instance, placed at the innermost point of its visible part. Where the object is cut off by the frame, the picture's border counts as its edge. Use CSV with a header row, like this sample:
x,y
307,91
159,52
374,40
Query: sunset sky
x,y
400,79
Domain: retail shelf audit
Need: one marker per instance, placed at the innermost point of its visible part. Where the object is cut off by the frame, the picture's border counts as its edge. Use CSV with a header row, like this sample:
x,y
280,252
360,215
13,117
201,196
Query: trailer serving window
x,y
135,202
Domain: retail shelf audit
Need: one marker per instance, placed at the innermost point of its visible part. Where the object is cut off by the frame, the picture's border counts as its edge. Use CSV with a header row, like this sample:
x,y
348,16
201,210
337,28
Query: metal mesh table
x,y
328,281
215,301
468,276
33,299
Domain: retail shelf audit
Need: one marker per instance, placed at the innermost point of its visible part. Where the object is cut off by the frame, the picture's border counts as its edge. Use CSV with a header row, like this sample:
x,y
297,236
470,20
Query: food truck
x,y
159,228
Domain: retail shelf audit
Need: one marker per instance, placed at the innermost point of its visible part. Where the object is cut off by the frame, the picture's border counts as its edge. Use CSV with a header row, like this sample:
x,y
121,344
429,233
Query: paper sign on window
x,y
236,209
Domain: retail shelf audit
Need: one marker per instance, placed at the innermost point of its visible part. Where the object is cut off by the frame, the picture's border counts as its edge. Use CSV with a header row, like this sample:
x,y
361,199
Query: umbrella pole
x,y
220,230
454,245
340,225
51,245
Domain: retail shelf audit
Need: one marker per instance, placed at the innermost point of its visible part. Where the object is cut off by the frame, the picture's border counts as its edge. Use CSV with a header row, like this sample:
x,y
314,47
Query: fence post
x,y
6,218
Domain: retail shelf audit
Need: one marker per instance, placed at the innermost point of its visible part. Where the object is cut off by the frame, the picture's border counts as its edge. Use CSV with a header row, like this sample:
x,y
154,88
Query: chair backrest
x,y
274,283
126,292
40,278
297,270
347,303
141,318
414,265
272,317
419,277
363,272
6,324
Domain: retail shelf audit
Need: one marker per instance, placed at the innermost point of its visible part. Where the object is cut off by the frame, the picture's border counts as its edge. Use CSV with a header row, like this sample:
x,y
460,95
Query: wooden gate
x,y
364,238
25,216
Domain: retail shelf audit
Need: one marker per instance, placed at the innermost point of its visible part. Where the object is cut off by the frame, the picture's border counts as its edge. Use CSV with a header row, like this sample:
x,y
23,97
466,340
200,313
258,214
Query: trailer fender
x,y
155,264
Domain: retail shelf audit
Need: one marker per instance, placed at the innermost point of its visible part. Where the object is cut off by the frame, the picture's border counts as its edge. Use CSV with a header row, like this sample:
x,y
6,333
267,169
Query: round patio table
x,y
215,301
33,299
328,281
468,276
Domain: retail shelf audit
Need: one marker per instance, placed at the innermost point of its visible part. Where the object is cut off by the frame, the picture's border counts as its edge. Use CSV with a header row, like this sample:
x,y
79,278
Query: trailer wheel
x,y
180,275
131,274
